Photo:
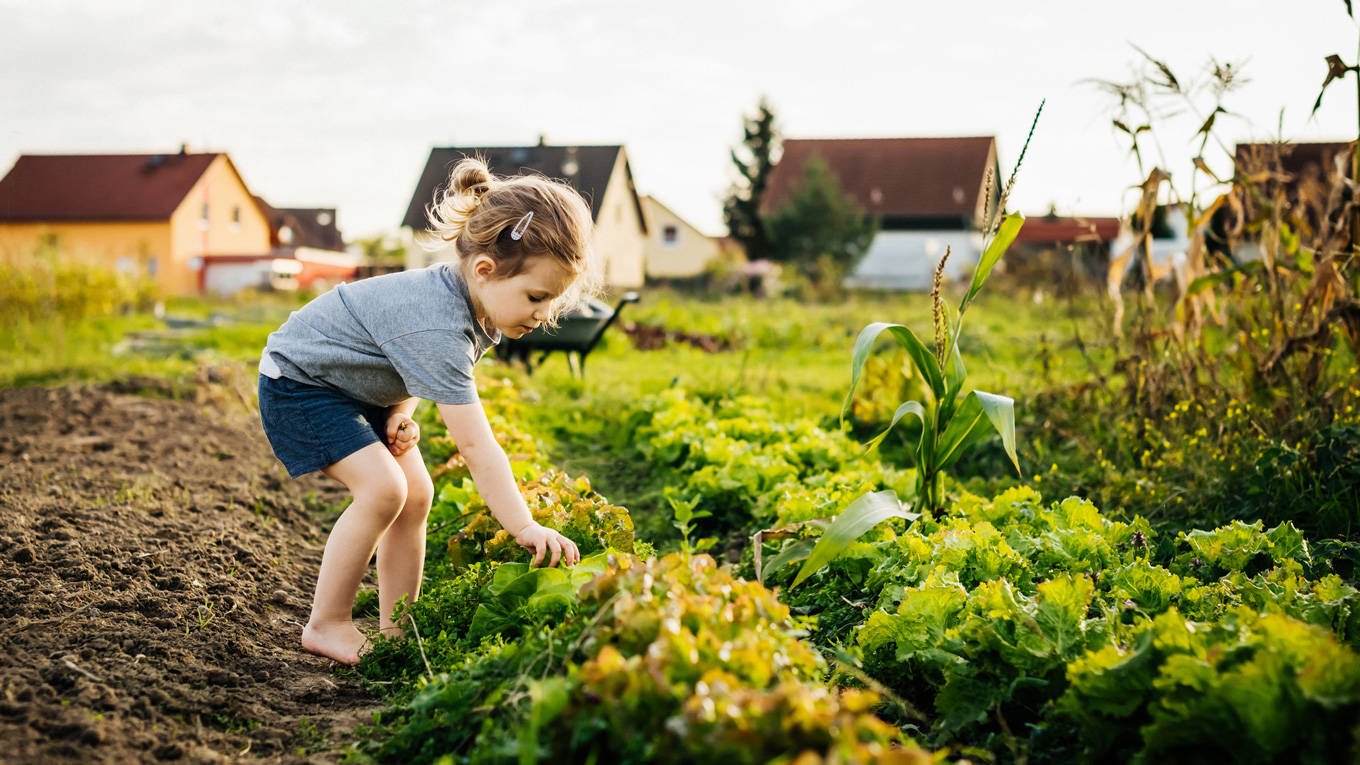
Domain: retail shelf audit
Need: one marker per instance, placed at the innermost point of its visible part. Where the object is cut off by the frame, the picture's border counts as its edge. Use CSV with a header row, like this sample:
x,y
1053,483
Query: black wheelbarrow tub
x,y
577,332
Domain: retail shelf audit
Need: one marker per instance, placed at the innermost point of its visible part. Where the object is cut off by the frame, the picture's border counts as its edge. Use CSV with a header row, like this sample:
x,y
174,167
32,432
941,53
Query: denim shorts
x,y
310,427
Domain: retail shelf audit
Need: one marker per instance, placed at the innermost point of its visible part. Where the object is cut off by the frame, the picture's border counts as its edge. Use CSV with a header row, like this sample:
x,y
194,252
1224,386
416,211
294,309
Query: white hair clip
x,y
517,232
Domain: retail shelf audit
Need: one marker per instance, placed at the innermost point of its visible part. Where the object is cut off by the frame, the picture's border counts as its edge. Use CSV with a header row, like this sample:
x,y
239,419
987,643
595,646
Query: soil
x,y
156,567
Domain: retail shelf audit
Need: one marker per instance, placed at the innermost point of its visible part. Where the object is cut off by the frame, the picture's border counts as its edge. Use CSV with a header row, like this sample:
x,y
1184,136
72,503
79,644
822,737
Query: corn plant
x,y
952,421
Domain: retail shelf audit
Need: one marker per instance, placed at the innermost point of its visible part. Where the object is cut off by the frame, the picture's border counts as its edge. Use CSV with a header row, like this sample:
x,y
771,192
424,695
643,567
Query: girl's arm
x,y
490,470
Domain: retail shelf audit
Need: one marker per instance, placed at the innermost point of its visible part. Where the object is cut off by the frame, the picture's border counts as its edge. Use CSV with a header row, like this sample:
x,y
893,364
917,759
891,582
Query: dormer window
x,y
286,234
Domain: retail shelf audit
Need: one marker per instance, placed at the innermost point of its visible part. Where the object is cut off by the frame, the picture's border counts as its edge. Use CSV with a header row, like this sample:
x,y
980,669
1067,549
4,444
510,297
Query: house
x,y
600,173
928,194
160,216
306,252
1061,251
675,249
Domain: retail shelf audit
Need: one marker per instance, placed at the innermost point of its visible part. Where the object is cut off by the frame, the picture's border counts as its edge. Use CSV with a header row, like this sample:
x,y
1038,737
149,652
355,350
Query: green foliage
x,y
526,664
860,516
820,230
984,613
1253,687
55,284
949,427
740,463
704,663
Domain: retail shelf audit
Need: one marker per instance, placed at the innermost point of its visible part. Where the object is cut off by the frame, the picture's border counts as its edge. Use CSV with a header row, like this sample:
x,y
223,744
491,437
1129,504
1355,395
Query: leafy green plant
x,y
685,515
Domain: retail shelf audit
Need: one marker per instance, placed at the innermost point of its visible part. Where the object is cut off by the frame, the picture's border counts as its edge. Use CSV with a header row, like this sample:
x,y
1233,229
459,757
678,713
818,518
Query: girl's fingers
x,y
556,547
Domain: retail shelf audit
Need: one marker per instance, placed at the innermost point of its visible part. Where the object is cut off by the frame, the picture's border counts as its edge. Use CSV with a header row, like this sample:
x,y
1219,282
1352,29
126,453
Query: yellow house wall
x,y
686,257
618,232
223,191
132,247
173,244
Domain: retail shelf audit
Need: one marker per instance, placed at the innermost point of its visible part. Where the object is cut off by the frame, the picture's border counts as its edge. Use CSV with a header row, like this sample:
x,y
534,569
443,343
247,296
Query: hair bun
x,y
471,177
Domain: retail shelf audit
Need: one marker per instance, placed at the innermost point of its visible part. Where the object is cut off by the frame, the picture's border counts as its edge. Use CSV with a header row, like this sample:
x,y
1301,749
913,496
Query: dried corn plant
x,y
1237,325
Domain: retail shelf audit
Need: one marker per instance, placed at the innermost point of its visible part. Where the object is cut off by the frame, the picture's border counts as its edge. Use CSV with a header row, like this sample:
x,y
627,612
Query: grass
x,y
53,351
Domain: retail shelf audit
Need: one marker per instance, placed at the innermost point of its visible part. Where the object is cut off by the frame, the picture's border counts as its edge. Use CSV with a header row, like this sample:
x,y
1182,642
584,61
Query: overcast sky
x,y
337,104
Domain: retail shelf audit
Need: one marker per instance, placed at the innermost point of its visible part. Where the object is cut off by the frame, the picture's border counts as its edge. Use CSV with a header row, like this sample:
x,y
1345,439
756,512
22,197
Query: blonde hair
x,y
479,212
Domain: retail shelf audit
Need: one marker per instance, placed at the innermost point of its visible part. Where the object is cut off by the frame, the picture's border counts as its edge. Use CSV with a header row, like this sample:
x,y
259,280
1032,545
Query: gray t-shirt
x,y
384,339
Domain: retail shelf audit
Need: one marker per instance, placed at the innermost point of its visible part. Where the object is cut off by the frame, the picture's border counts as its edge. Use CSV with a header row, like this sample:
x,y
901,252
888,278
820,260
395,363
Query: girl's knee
x,y
385,493
419,494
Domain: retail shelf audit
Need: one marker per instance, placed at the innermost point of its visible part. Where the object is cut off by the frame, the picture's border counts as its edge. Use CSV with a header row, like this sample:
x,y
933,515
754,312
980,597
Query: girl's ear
x,y
483,267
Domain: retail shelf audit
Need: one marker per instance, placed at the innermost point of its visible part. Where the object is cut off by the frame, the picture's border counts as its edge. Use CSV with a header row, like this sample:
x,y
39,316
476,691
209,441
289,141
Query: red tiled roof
x,y
892,177
1052,228
71,187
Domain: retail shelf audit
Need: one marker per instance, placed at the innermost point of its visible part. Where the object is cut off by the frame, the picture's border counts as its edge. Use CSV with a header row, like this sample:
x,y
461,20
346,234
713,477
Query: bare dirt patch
x,y
156,566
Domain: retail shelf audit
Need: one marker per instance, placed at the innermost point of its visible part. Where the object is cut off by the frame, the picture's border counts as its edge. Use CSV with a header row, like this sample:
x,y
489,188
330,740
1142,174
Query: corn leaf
x,y
968,426
863,514
911,407
1005,234
920,355
795,552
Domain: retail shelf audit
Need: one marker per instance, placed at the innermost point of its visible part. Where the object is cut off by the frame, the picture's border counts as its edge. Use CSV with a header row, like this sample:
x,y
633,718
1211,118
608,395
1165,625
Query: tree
x,y
755,160
821,230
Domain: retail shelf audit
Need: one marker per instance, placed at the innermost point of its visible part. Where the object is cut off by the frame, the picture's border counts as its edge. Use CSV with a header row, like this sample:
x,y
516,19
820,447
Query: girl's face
x,y
518,304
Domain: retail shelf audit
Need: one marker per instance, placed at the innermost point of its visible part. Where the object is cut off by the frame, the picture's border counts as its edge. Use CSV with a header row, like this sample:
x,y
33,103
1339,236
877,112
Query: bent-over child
x,y
340,379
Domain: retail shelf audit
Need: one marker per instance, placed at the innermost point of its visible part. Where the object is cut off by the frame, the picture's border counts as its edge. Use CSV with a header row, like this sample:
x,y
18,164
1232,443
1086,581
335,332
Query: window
x,y
151,266
236,218
670,237
203,218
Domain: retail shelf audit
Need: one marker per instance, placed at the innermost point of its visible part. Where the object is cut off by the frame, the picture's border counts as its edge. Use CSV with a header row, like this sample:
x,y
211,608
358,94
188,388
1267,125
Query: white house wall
x,y
619,240
906,260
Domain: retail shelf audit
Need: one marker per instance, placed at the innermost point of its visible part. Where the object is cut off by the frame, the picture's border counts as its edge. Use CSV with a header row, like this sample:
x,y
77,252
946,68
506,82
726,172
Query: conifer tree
x,y
754,160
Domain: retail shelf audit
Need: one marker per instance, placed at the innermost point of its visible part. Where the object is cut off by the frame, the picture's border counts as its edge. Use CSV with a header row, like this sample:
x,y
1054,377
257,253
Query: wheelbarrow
x,y
576,335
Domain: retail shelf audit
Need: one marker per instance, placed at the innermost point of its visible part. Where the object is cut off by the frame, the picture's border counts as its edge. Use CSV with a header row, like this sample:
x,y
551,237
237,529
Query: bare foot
x,y
340,641
392,632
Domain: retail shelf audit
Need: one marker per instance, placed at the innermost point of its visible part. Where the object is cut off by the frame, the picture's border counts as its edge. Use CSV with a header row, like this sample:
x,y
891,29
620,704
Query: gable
x,y
586,168
106,187
308,226
891,178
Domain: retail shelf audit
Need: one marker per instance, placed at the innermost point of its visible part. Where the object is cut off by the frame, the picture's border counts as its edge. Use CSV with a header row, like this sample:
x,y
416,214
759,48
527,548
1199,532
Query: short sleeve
x,y
435,364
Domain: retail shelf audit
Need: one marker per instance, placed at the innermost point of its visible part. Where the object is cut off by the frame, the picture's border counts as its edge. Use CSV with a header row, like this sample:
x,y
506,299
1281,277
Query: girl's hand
x,y
402,434
541,539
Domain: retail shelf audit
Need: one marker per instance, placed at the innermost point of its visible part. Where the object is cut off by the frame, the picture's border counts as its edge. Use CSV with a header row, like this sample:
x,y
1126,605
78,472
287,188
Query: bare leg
x,y
401,553
379,488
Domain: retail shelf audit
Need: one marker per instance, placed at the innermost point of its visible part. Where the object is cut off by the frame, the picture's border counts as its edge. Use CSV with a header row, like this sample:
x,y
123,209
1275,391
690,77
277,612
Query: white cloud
x,y
338,103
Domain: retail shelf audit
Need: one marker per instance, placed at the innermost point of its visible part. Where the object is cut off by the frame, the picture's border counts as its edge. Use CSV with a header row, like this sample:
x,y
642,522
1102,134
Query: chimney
x,y
183,149
542,140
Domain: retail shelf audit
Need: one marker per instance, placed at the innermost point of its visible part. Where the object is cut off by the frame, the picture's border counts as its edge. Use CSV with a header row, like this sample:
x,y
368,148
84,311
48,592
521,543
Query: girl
x,y
342,376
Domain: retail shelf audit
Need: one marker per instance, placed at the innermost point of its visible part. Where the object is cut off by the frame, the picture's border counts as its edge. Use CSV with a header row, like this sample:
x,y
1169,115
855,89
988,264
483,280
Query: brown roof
x,y
72,187
306,225
1053,228
1297,159
892,177
592,166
